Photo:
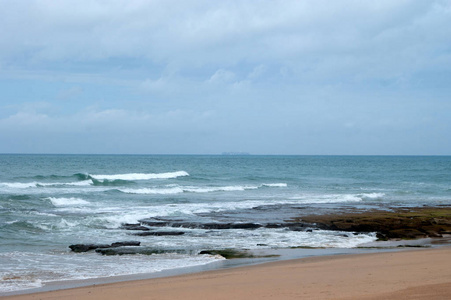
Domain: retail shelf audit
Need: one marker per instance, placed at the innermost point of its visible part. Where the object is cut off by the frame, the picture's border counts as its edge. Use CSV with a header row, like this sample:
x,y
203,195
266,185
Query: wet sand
x,y
412,274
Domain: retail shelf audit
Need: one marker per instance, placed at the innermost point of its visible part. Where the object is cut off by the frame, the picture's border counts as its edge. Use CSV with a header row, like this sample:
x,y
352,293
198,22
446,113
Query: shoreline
x,y
424,272
256,257
434,223
262,257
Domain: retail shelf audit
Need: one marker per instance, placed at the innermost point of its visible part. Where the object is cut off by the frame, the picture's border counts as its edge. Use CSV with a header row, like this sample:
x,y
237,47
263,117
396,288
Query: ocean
x,y
48,202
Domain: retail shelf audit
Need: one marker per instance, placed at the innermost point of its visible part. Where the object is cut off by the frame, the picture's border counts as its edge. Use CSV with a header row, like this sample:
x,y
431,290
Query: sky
x,y
205,77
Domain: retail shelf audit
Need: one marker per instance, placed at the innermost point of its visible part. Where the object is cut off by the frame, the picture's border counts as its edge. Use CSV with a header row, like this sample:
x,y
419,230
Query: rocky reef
x,y
400,223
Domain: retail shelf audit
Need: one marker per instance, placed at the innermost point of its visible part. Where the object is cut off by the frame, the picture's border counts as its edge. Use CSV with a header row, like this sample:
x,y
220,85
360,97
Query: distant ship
x,y
236,153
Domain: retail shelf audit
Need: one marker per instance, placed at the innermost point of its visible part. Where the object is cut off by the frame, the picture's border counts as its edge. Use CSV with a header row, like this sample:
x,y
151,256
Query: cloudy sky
x,y
205,77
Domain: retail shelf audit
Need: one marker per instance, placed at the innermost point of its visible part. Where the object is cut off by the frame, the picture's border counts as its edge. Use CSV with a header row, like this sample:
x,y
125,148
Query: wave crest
x,y
34,184
192,189
141,176
67,201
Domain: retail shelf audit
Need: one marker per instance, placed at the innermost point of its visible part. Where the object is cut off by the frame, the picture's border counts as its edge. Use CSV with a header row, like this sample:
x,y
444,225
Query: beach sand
x,y
411,274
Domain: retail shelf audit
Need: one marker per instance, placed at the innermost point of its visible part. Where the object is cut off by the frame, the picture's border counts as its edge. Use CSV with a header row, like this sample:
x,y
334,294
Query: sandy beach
x,y
411,274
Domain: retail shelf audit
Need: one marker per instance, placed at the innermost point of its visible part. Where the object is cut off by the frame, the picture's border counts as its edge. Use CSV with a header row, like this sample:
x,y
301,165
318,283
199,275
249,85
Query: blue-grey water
x,y
48,202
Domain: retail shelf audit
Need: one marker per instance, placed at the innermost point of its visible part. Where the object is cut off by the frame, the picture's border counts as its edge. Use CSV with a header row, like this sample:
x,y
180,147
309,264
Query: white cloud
x,y
28,120
257,72
222,76
194,33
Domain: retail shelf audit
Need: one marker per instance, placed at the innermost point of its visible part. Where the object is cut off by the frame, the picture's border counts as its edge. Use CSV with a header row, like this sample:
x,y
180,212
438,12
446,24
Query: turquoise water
x,y
48,202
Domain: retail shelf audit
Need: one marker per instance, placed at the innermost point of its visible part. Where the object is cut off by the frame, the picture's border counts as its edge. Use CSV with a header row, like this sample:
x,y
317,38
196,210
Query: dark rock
x,y
159,233
433,234
215,226
87,247
227,253
171,224
297,228
245,226
155,223
294,224
402,223
274,225
139,250
405,234
126,243
134,227
208,226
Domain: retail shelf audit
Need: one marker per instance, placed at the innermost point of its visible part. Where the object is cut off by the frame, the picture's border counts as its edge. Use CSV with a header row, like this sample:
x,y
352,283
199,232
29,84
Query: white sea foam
x,y
336,198
231,188
76,183
174,189
29,270
157,191
141,176
64,224
67,201
275,184
372,196
19,185
114,217
34,184
327,198
272,238
11,222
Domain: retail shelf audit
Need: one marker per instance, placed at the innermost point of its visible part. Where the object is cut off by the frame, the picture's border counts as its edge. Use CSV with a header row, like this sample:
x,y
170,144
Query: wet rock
x,y
126,243
232,253
88,247
227,253
159,233
297,228
222,226
214,226
405,234
208,226
170,224
134,227
403,223
274,225
139,250
245,226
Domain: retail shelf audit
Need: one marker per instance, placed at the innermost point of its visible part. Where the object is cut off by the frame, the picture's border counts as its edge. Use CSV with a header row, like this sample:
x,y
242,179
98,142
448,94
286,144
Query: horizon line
x,y
217,154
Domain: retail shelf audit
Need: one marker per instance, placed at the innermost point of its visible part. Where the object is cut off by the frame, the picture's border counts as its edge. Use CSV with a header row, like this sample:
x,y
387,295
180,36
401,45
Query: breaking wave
x,y
275,184
140,176
336,198
67,201
372,196
96,180
34,184
192,189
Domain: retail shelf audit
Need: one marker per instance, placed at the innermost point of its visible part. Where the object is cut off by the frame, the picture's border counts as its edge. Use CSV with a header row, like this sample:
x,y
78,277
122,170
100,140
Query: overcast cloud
x,y
265,77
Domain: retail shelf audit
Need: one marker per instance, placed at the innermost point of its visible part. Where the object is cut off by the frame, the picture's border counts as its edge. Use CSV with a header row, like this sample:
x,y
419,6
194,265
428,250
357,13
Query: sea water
x,y
48,202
